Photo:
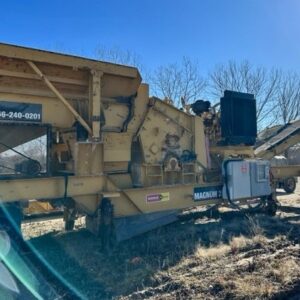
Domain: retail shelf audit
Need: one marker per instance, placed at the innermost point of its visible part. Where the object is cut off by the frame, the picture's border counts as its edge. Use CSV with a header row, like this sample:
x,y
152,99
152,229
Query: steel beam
x,y
49,188
60,96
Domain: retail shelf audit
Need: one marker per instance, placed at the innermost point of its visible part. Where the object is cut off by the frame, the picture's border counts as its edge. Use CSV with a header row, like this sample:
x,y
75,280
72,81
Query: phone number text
x,y
19,115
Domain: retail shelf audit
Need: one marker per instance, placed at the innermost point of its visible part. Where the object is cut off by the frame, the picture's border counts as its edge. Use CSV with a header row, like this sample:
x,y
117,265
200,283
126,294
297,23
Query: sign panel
x,y
17,111
208,193
159,197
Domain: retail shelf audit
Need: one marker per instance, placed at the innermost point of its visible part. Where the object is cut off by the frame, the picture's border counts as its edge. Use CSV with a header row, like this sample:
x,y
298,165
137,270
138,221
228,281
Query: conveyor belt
x,y
288,136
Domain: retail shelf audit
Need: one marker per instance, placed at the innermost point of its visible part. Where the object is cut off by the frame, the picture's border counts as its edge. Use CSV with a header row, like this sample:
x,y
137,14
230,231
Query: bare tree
x,y
179,81
35,149
124,57
288,98
244,77
117,55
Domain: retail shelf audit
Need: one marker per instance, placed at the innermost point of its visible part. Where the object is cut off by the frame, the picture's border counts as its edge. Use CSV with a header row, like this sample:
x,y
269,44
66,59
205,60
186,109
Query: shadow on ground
x,y
133,264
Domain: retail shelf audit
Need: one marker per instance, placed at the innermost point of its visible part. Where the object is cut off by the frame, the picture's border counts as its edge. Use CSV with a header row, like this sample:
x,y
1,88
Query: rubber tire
x,y
289,185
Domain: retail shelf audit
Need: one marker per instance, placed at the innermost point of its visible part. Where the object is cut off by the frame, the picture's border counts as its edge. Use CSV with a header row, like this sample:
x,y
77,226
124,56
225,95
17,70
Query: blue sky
x,y
211,31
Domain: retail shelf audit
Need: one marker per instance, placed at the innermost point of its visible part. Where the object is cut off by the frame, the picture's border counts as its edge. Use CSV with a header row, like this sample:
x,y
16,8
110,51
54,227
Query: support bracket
x,y
59,96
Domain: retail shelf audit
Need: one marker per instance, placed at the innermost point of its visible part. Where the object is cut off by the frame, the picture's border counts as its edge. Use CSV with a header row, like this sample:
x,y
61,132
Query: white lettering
x,y
207,194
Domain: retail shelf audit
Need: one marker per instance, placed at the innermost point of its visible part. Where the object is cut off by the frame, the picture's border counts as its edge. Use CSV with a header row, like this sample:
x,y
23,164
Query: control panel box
x,y
260,178
246,179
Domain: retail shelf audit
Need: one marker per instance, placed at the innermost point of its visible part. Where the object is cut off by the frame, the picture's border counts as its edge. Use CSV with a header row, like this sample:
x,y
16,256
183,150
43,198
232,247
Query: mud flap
x,y
128,227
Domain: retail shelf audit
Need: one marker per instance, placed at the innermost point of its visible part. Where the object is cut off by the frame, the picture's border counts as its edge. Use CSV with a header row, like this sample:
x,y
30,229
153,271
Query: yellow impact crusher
x,y
127,161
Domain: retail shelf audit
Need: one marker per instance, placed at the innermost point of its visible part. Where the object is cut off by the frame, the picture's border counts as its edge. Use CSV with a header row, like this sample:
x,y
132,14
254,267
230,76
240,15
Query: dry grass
x,y
254,226
213,252
267,278
221,250
286,271
253,287
255,257
235,245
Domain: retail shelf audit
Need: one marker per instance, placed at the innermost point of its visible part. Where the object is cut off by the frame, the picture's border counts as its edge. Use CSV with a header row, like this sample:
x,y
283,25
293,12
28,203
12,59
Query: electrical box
x,y
260,178
246,179
237,179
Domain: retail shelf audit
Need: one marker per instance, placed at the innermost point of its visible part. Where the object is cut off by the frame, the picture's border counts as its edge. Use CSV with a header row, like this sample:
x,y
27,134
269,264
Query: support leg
x,y
272,205
69,214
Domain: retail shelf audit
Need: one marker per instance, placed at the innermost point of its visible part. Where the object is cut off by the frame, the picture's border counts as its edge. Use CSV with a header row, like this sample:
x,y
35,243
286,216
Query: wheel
x,y
289,184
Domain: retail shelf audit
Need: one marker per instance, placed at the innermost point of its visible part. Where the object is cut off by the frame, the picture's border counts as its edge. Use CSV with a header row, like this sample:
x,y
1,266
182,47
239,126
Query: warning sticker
x,y
160,197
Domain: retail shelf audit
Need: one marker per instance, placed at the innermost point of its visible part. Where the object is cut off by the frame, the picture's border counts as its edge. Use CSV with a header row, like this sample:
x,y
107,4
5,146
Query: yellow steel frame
x,y
63,84
88,190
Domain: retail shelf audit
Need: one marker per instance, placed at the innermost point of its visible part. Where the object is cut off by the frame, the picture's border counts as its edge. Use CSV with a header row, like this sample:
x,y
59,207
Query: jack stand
x,y
69,213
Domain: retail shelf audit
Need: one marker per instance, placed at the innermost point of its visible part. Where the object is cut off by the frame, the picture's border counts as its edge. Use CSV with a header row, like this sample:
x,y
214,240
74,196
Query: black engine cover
x,y
238,118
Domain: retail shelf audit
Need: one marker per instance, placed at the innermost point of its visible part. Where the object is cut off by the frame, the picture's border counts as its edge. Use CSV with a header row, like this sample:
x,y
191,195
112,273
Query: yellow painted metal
x,y
286,137
162,120
88,158
133,153
278,144
60,96
38,206
71,75
200,146
49,188
290,141
140,108
24,53
87,189
280,172
53,111
117,146
96,103
226,151
179,197
115,115
88,161
87,204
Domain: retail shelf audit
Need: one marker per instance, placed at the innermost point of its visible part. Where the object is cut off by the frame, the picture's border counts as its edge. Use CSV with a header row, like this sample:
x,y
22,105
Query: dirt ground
x,y
232,257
